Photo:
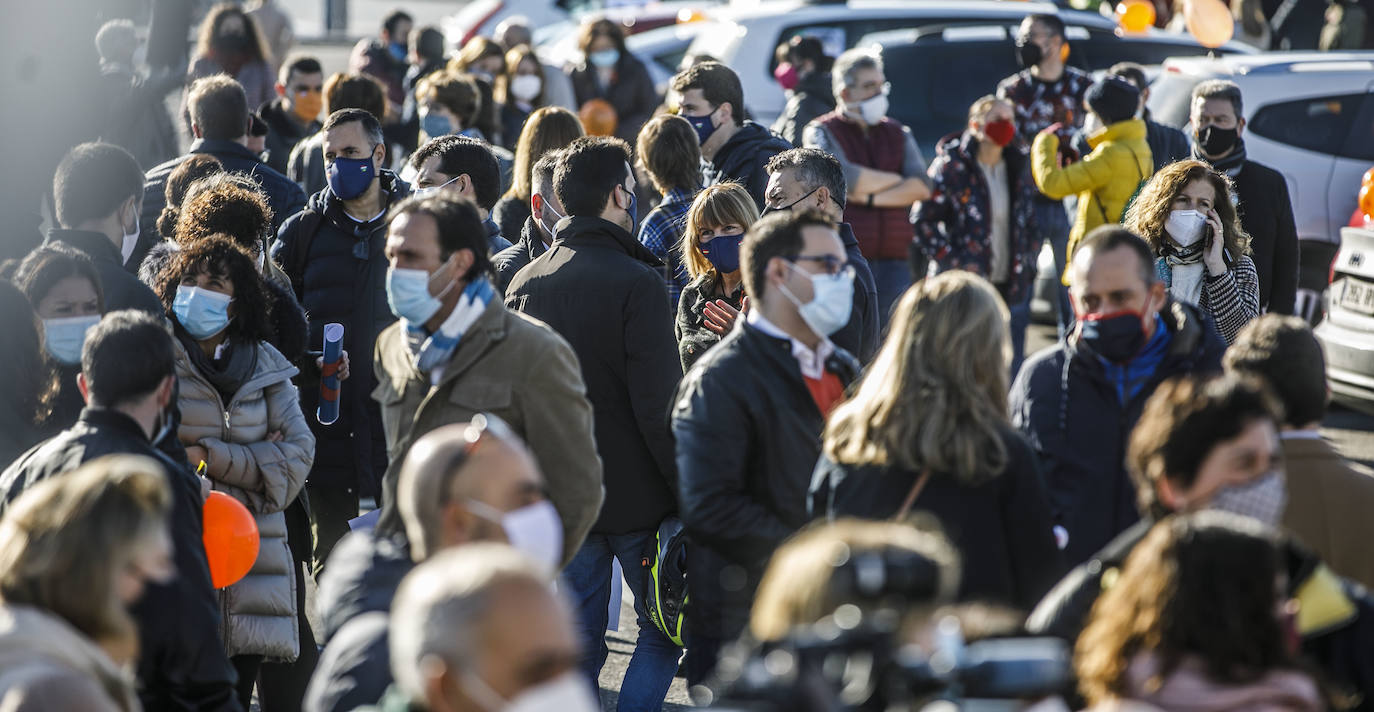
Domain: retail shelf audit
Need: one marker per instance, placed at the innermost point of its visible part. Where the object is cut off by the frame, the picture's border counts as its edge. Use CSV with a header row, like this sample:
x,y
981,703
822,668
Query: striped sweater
x,y
1232,299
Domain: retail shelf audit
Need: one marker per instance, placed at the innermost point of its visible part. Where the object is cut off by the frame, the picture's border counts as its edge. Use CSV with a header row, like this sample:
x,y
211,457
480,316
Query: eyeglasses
x,y
830,264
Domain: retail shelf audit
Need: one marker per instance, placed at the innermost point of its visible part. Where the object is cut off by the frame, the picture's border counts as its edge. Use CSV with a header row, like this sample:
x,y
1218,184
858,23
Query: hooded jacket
x,y
512,259
604,293
811,97
1104,180
122,290
338,272
46,664
260,610
1072,413
743,159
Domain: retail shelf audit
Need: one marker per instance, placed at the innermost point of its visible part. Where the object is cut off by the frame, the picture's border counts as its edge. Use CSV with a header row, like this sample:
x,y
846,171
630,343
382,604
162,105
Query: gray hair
x,y
851,63
441,606
117,40
1218,89
814,168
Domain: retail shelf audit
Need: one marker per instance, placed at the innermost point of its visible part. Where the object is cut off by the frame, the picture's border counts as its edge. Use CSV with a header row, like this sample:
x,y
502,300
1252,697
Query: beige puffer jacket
x,y
46,664
259,612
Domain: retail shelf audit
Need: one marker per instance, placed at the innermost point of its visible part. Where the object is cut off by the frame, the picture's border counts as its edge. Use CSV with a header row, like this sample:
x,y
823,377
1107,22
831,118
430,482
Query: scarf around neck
x,y
233,364
1230,164
431,350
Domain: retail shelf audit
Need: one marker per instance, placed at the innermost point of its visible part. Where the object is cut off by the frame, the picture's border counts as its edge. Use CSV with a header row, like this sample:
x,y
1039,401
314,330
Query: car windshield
x,y
1171,97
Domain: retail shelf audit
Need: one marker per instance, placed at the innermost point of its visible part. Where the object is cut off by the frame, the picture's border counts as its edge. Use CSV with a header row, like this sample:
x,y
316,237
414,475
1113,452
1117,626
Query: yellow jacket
x,y
1104,179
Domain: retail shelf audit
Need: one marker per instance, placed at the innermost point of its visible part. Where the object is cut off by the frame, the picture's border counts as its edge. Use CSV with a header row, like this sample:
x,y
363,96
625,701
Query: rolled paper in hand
x,y
328,411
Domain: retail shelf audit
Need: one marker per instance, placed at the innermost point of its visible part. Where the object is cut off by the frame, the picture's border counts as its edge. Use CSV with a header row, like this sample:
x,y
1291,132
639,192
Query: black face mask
x,y
768,210
1028,53
1215,140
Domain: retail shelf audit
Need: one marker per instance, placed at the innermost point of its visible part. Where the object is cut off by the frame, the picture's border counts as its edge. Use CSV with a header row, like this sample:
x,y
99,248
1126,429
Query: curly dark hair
x,y
229,204
23,353
222,255
195,167
1150,211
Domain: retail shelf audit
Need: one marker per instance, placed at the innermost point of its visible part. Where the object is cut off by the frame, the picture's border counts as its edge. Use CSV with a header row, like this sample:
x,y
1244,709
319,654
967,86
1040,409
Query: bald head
x,y
454,469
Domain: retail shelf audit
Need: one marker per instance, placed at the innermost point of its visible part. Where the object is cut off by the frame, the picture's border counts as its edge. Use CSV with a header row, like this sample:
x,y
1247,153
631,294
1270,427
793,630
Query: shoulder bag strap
x,y
912,495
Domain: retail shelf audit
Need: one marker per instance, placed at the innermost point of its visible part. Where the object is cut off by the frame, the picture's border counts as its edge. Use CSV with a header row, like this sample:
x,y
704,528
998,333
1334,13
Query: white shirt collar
x,y
812,363
1300,435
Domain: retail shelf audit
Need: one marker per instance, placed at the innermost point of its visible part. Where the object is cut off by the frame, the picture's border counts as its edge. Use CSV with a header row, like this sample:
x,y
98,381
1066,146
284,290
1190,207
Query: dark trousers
x,y
281,686
330,509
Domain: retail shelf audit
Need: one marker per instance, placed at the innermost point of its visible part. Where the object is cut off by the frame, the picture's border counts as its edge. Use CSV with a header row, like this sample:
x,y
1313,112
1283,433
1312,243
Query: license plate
x,y
1358,296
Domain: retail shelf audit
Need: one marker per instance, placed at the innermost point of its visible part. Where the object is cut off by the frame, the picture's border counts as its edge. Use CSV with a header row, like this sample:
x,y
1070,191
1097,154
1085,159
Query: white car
x,y
1309,116
551,18
660,50
1347,332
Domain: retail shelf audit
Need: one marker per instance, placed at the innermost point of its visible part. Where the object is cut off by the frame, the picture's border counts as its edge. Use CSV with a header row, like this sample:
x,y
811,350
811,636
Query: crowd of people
x,y
761,375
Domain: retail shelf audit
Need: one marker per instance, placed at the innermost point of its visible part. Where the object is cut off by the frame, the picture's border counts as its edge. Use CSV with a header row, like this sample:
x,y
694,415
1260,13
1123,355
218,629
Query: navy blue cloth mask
x,y
350,177
1117,337
722,251
702,125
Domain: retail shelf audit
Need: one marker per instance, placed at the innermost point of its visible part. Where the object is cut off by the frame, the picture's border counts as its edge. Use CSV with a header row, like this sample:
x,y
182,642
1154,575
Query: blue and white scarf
x,y
432,350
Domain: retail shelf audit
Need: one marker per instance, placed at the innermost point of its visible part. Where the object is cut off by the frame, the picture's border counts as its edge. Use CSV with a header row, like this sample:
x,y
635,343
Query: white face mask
x,y
873,109
1262,498
1185,226
831,303
569,692
525,87
1091,124
126,248
535,530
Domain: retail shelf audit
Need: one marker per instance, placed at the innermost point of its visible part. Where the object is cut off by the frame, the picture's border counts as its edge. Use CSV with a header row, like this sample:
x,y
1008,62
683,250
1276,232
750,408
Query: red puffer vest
x,y
883,233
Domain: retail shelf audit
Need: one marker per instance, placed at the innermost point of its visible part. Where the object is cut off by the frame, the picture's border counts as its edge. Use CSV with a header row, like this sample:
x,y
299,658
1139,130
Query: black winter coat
x,y
341,277
122,289
812,97
748,437
631,93
1167,144
604,292
512,259
1003,528
860,336
283,196
284,131
693,338
182,664
510,214
1266,212
1069,411
742,159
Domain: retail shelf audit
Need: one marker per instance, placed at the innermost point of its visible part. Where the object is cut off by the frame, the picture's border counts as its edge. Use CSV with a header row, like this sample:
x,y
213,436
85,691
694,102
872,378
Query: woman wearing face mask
x,y
803,71
241,418
1199,619
608,71
711,302
76,552
1203,254
230,44
448,104
27,401
519,91
981,213
64,288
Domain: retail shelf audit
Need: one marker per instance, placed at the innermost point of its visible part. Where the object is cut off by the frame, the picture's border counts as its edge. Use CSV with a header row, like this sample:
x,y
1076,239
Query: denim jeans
x,y
1054,228
891,277
1020,319
587,583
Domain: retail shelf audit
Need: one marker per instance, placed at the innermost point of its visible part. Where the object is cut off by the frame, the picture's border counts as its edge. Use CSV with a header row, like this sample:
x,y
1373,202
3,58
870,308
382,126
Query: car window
x,y
1171,98
1103,49
1320,124
1360,143
837,37
934,103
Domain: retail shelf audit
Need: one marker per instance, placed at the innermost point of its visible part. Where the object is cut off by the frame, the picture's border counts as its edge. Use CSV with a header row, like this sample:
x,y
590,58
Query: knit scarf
x,y
1171,255
1230,165
234,363
431,350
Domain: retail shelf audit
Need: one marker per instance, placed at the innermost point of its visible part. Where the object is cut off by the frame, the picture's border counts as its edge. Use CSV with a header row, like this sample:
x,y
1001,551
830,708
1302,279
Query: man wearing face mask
x,y
1212,444
97,194
748,421
537,233
811,179
1077,401
1047,92
805,76
981,214
883,169
295,113
332,252
463,483
734,148
128,381
1266,212
466,167
384,57
603,292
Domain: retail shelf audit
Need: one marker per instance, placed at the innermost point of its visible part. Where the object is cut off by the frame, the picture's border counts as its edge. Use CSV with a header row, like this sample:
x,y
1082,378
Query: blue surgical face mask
x,y
350,177
722,251
436,125
605,59
64,337
702,125
398,51
407,293
201,312
831,302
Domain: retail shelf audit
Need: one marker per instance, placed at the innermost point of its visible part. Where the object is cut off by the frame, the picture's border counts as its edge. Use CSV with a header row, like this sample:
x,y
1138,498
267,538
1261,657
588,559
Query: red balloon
x,y
231,539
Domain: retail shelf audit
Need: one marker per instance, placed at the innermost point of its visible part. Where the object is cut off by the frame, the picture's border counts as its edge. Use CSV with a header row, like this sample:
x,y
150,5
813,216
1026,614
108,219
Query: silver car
x,y
1347,332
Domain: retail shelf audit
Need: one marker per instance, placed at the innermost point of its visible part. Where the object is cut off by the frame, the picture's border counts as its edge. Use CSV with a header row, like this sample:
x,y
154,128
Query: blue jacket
x,y
1071,411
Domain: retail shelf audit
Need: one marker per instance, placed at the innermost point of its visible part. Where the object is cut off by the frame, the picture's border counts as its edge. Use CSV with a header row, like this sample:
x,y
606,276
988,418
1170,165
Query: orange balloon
x,y
1367,201
1135,15
1368,178
1209,22
231,539
598,117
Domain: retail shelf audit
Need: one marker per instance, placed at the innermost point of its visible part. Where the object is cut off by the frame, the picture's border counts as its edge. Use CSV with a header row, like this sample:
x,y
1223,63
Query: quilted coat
x,y
259,612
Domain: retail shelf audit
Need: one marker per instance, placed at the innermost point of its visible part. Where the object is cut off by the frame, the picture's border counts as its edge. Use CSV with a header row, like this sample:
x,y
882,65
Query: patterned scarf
x,y
431,350
1230,165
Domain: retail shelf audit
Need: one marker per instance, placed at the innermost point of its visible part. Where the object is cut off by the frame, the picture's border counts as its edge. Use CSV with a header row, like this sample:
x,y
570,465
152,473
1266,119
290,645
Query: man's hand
x,y
720,316
343,365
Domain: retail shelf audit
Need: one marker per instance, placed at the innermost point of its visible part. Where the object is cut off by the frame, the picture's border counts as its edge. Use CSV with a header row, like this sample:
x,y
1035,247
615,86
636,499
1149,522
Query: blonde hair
x,y
514,58
715,206
64,540
936,395
1150,211
982,106
546,129
797,589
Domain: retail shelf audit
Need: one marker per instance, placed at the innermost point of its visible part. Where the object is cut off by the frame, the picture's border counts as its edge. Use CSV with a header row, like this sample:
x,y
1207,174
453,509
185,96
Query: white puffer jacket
x,y
259,611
